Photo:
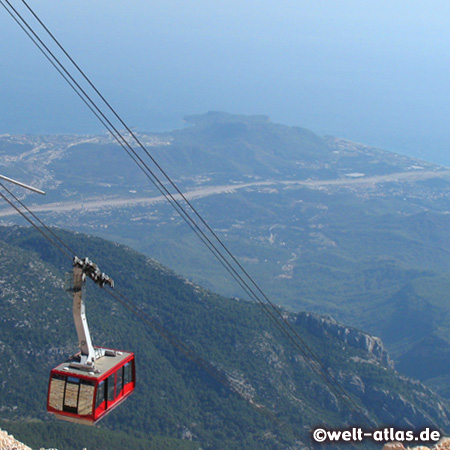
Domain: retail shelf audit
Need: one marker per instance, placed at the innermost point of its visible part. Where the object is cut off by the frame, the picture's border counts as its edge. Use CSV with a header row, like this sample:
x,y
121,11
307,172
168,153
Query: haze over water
x,y
370,71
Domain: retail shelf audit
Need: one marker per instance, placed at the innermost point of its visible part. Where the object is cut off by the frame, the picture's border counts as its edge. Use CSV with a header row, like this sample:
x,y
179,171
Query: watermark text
x,y
391,434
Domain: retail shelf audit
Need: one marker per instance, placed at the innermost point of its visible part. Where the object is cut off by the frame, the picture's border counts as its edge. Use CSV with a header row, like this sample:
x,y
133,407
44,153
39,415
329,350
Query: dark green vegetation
x,y
322,224
175,398
72,436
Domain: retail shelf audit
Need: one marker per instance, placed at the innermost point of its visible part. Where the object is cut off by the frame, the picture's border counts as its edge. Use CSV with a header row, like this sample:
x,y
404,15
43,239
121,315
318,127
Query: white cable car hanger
x,y
82,269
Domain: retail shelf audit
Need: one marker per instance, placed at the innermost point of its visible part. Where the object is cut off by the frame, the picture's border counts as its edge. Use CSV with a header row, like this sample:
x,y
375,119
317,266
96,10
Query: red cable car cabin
x,y
86,397
89,385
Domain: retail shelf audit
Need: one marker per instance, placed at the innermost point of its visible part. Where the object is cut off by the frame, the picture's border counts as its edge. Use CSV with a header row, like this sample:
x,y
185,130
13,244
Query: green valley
x,y
322,224
176,402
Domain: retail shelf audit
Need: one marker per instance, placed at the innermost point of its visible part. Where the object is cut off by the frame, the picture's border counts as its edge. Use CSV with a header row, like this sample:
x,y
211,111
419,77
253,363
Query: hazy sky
x,y
373,71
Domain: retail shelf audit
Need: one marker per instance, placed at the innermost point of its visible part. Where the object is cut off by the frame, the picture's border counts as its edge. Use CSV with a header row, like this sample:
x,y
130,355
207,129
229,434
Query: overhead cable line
x,y
31,222
269,308
40,221
114,132
122,142
208,367
183,213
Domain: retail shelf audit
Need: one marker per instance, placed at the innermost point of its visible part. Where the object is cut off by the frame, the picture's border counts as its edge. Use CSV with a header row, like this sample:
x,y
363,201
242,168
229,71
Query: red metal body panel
x,y
120,390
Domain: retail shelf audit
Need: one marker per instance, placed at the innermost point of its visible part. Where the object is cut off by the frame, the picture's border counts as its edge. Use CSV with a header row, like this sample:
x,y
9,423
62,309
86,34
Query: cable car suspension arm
x,y
82,269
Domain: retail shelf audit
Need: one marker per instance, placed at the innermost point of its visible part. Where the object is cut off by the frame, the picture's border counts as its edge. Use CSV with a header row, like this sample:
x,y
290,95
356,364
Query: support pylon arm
x,y
92,271
81,270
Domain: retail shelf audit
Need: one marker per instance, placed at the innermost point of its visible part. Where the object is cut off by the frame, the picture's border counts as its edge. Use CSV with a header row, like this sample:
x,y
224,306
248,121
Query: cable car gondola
x,y
93,382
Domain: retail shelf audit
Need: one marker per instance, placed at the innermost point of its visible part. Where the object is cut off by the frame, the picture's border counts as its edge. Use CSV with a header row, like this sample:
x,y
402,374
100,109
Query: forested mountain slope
x,y
175,399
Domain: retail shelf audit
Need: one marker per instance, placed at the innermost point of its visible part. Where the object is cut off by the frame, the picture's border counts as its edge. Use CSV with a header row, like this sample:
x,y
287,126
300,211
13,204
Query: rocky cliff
x,y
8,442
443,444
421,405
326,325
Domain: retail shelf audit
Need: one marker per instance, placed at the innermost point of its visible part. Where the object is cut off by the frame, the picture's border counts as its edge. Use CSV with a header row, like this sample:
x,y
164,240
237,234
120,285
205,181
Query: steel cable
x,y
283,323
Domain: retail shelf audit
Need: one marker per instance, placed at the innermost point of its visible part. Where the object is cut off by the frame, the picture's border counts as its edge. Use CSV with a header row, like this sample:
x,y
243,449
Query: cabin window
x,y
86,398
71,394
100,394
110,383
119,378
57,387
127,373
